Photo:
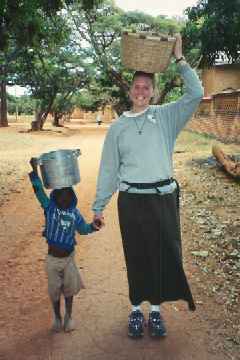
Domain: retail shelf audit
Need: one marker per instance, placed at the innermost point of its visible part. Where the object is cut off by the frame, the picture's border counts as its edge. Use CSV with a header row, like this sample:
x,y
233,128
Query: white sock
x,y
155,308
136,308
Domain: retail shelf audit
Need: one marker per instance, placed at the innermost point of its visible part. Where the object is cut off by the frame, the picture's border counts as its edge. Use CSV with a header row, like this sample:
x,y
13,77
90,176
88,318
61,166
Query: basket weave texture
x,y
148,52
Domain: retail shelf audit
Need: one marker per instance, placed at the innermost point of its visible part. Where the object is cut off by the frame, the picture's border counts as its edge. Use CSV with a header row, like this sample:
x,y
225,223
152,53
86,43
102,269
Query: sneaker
x,y
156,324
135,324
57,324
68,324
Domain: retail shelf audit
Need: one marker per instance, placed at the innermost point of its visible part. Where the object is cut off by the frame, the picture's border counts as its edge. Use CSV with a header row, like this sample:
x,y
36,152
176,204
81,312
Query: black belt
x,y
155,185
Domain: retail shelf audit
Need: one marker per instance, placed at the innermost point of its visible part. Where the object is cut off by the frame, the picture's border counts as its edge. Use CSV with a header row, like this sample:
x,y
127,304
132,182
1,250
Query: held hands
x,y
98,221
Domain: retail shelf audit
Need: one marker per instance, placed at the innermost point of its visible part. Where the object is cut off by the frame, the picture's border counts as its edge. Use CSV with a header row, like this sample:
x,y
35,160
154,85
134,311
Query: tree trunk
x,y
41,117
229,165
56,120
3,104
37,123
44,118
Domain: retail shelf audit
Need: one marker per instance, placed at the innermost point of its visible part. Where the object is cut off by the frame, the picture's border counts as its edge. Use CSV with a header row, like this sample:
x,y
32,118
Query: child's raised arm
x,y
37,184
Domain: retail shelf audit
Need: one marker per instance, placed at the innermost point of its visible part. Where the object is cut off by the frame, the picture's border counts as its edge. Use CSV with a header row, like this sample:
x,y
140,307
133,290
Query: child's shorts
x,y
63,277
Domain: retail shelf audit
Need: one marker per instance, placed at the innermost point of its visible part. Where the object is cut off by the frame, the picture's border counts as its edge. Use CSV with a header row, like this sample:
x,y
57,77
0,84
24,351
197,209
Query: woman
x,y
137,161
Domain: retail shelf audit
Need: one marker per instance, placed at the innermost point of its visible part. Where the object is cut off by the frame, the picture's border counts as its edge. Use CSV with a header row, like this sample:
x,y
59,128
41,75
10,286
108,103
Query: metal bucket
x,y
59,168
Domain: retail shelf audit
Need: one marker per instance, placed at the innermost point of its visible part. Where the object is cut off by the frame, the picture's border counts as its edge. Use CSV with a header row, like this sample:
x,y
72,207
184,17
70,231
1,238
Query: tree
x,y
22,25
214,27
52,78
52,71
24,104
62,108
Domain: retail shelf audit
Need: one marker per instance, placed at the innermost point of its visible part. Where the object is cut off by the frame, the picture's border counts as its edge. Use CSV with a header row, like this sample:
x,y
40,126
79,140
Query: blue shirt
x,y
61,225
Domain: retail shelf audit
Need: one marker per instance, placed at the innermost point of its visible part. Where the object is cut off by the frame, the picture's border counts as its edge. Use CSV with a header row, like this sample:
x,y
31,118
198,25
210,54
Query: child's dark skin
x,y
63,200
63,197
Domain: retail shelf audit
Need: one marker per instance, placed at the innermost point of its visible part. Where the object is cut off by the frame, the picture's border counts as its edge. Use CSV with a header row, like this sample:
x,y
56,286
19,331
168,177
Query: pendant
x,y
140,133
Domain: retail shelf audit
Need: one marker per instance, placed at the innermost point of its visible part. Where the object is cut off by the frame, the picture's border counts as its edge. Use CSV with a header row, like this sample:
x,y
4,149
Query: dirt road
x,y
101,310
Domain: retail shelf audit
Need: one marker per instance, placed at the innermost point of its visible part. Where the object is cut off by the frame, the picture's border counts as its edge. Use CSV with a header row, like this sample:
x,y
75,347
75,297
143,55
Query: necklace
x,y
140,128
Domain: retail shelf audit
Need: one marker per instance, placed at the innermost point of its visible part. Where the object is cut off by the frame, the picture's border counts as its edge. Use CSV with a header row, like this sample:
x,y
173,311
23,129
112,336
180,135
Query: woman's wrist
x,y
179,58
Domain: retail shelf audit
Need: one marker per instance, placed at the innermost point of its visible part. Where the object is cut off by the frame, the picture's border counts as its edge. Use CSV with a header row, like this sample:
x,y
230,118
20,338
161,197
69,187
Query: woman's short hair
x,y
144,74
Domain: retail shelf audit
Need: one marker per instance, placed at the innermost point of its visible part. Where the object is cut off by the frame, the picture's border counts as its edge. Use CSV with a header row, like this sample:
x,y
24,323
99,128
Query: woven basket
x,y
145,51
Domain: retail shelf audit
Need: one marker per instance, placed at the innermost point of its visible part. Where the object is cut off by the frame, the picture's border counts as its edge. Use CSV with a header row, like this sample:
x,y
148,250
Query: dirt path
x,y
101,310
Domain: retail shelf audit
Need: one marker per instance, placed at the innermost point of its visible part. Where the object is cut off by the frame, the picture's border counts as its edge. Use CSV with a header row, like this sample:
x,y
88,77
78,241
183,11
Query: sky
x,y
16,90
156,7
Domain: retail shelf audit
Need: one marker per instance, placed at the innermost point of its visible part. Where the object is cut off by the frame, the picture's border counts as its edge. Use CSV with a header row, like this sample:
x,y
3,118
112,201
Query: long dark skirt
x,y
150,229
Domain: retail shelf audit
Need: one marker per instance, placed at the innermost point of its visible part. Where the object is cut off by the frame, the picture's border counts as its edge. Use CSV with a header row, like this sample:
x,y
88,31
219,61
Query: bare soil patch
x,y
210,226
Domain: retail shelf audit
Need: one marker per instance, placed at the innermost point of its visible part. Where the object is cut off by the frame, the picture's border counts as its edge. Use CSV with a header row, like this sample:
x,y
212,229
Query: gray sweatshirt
x,y
145,157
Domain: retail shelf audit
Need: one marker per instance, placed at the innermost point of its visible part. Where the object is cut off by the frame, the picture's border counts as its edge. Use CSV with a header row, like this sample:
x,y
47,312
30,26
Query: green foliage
x,y
52,71
63,105
139,21
36,49
95,95
89,4
23,105
86,101
214,25
24,20
173,95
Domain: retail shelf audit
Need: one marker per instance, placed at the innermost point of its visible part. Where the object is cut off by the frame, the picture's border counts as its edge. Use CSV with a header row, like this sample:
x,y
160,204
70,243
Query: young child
x,y
63,219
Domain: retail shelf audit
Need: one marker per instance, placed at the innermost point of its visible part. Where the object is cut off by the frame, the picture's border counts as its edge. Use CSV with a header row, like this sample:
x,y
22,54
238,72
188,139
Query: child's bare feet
x,y
57,324
68,324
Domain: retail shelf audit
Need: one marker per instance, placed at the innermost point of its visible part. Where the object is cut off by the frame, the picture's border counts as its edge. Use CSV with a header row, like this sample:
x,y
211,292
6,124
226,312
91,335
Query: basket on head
x,y
146,51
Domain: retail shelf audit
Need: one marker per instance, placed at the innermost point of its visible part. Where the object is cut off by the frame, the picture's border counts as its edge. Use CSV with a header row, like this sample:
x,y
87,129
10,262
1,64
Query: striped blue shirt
x,y
61,225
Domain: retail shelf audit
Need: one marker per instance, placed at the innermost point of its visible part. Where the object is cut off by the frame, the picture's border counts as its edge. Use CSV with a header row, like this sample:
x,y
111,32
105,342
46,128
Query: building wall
x,y
220,77
218,116
107,114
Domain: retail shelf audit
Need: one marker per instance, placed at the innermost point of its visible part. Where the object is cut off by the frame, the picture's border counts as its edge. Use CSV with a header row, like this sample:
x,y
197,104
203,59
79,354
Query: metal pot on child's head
x,y
59,168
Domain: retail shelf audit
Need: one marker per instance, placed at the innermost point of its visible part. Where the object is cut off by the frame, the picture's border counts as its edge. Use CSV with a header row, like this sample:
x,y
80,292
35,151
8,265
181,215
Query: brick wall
x,y
218,116
107,114
220,77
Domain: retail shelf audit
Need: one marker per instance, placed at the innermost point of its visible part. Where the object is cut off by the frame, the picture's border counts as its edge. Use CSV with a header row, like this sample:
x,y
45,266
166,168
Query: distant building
x,y
218,114
221,77
107,115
